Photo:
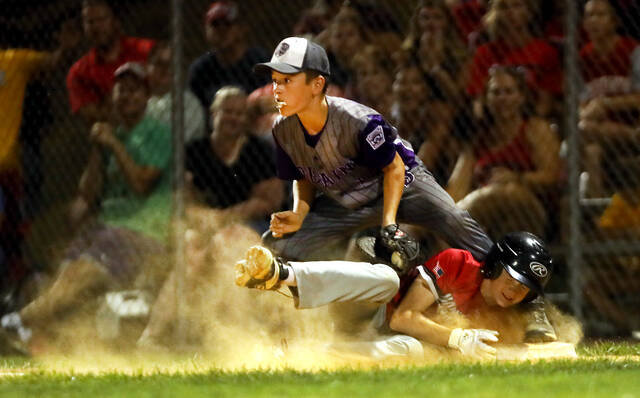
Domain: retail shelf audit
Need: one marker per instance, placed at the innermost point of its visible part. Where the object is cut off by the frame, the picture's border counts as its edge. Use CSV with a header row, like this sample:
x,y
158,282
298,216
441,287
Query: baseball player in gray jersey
x,y
365,173
349,168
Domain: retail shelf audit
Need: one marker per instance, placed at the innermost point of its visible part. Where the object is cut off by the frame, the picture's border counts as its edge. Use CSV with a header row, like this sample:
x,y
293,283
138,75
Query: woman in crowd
x,y
610,103
509,171
434,41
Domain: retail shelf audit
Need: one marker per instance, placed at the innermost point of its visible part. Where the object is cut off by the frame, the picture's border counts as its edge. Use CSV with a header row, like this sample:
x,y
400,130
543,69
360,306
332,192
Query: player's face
x,y
505,291
598,21
130,95
504,98
291,92
98,25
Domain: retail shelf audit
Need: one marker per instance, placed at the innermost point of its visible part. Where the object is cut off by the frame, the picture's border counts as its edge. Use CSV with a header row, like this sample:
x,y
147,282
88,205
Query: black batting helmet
x,y
525,257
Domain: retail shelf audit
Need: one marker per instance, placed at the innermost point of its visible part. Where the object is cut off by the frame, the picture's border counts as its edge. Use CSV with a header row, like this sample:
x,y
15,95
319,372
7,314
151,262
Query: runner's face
x,y
506,291
291,92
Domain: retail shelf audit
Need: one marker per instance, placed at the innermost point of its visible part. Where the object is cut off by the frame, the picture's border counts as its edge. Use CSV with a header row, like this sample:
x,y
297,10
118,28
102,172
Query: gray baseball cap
x,y
294,55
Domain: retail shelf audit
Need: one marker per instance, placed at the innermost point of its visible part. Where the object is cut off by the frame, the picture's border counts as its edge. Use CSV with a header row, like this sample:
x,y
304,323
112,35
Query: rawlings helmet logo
x,y
538,269
282,49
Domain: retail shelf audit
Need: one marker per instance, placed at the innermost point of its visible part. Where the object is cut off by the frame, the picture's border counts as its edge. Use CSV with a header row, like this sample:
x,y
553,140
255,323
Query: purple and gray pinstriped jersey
x,y
345,160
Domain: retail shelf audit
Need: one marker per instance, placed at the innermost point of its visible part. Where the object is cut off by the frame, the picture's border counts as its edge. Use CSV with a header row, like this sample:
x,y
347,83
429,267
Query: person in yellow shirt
x,y
17,68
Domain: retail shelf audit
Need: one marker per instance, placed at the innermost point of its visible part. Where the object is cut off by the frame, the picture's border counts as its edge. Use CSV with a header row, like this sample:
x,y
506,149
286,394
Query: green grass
x,y
614,375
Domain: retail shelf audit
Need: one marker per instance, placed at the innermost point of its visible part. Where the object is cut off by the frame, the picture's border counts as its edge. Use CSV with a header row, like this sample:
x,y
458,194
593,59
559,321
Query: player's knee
x,y
267,239
389,281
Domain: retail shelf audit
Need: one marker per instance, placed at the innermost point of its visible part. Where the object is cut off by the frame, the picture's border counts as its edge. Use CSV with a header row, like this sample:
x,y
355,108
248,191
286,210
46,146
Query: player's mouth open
x,y
280,104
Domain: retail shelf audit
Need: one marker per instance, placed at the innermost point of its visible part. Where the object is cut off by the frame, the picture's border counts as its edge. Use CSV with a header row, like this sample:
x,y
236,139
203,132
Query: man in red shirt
x,y
516,270
90,79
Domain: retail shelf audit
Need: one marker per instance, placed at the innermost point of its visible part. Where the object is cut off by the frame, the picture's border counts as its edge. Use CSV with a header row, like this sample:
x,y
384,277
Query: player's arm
x,y
393,187
409,317
285,222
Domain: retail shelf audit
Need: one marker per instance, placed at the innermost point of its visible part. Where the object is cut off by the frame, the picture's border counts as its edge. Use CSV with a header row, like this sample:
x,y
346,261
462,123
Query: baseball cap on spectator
x,y
134,68
294,55
223,10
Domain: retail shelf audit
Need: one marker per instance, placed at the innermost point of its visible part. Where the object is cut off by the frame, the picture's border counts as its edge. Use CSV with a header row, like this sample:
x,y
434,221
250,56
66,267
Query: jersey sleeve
x,y
285,168
31,60
445,267
376,143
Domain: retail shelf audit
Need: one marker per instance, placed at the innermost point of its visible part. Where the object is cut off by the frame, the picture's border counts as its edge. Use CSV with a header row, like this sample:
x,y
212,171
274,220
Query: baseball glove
x,y
392,246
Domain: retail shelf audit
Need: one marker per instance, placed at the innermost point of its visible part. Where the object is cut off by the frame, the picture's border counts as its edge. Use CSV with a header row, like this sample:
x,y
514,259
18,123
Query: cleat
x,y
258,270
539,329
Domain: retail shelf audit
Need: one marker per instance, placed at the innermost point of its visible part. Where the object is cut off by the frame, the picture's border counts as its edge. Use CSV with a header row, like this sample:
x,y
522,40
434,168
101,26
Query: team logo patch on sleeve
x,y
438,270
376,138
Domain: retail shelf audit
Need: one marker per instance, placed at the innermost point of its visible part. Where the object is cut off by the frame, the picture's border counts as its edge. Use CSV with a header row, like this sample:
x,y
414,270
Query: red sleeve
x,y
80,92
479,70
446,267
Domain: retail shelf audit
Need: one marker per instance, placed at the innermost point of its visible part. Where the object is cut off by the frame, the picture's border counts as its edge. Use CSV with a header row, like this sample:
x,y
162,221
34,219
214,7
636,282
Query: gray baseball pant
x,y
424,203
366,289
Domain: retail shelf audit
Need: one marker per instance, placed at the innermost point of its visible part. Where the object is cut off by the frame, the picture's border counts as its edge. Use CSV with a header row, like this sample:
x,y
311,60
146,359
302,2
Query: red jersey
x,y
90,79
515,155
539,58
454,271
616,63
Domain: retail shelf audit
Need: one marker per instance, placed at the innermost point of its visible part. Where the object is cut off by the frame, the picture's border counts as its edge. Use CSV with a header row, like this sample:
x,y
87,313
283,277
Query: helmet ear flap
x,y
491,268
529,297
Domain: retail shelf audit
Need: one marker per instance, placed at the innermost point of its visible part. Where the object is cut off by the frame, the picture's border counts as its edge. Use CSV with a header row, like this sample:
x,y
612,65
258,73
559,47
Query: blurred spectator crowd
x,y
476,87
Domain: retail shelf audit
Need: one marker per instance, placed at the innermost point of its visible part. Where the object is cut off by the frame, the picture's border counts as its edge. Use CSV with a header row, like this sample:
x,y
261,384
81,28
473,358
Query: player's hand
x,y
471,342
285,222
102,134
404,249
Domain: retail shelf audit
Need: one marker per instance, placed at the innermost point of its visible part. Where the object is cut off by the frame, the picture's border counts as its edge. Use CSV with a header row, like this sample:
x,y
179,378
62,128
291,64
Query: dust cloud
x,y
238,329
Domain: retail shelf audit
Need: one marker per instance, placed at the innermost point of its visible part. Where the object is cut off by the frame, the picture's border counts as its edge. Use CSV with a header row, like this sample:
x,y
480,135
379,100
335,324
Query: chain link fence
x,y
525,111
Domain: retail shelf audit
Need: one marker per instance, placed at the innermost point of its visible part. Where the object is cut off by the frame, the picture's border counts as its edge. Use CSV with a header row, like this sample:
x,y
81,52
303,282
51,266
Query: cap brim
x,y
267,67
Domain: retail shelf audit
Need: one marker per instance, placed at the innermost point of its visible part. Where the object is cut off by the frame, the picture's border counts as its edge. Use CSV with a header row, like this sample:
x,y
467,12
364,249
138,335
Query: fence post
x,y
572,73
177,127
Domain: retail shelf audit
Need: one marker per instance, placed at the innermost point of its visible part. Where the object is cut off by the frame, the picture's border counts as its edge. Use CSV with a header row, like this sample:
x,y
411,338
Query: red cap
x,y
222,10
